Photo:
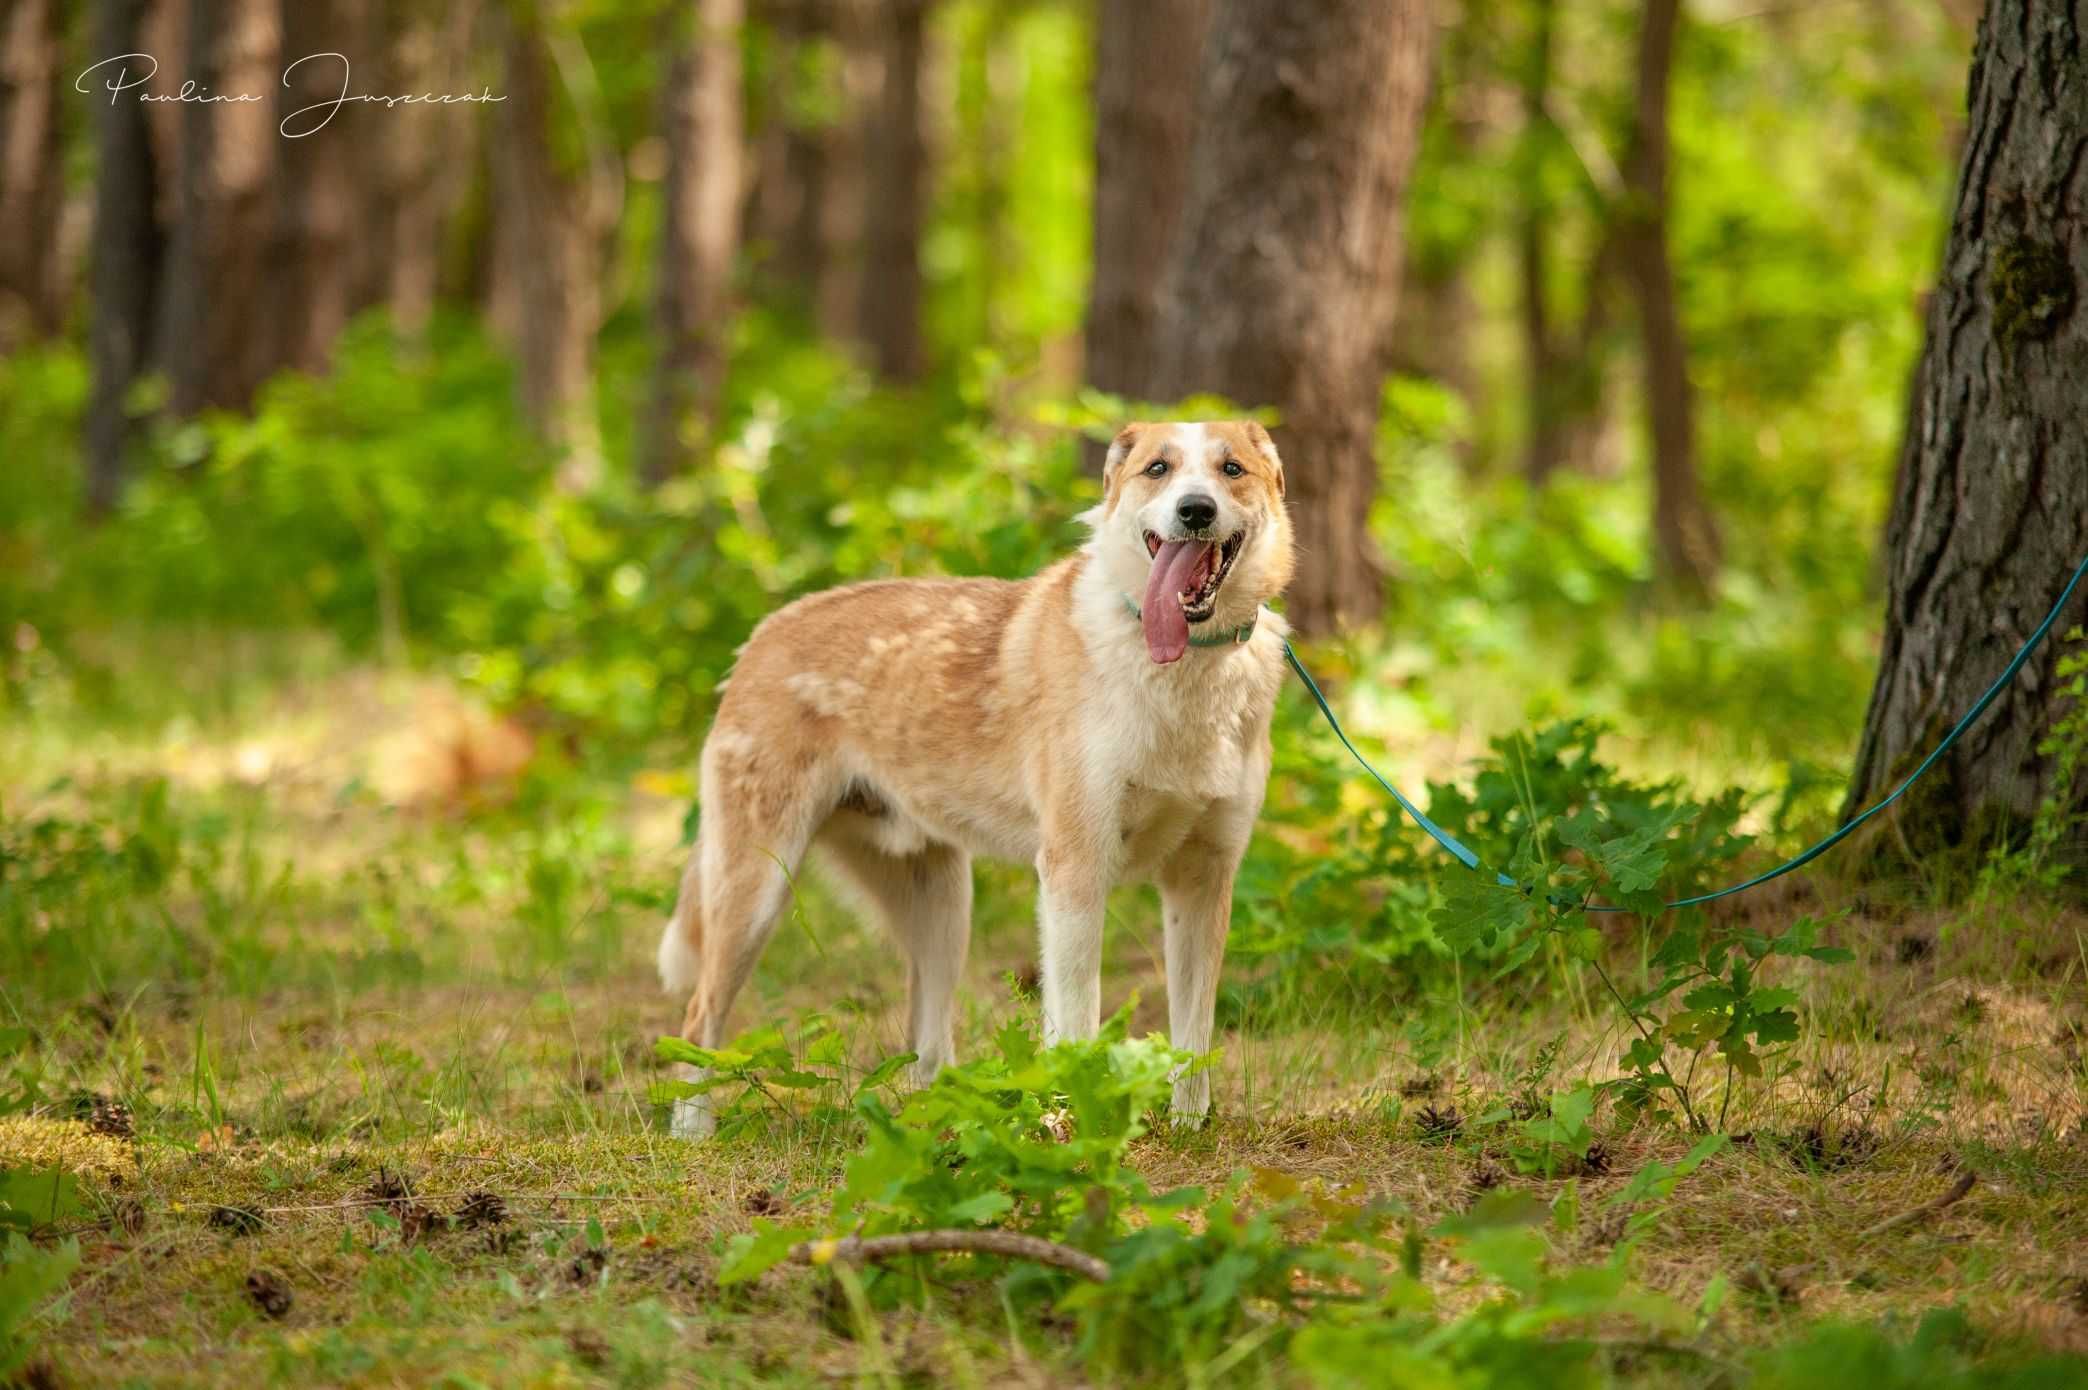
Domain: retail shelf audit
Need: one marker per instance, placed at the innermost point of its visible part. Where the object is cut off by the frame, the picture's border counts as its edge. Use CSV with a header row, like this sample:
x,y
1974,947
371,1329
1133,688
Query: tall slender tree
x,y
1544,445
322,215
32,295
125,260
1990,511
807,205
550,211
701,119
1308,119
217,292
1145,100
427,164
1686,541
896,160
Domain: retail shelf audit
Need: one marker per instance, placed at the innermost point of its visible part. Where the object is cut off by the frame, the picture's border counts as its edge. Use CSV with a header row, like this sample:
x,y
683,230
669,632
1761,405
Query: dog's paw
x,y
693,1119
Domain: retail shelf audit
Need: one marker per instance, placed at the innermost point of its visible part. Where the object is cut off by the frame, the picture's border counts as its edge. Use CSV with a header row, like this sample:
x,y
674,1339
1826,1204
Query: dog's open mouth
x,y
1182,588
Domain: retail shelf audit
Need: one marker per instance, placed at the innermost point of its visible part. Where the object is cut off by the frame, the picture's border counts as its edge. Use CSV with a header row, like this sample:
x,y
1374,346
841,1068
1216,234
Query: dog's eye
x,y
1233,469
1156,469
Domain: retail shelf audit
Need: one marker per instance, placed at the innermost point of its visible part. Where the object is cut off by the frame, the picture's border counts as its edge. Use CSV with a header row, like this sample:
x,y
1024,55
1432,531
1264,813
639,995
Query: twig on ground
x,y
1927,1209
1011,1244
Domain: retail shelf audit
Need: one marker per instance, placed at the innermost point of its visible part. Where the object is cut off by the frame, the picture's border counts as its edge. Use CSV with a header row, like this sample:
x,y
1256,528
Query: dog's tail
x,y
681,963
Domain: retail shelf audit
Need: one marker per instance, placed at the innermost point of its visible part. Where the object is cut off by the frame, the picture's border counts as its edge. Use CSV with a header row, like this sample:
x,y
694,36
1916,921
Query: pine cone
x,y
390,1190
112,1117
102,1114
269,1291
482,1209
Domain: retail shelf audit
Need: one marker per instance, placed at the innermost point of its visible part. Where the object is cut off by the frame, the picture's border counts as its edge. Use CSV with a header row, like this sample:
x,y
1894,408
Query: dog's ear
x,y
1261,441
1119,449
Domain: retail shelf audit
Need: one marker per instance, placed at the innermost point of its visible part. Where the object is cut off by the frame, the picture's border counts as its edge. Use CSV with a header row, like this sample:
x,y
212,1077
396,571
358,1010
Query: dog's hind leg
x,y
754,832
924,899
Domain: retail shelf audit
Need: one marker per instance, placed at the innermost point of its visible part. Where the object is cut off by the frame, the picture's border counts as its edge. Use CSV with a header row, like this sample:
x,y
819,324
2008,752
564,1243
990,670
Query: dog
x,y
1106,720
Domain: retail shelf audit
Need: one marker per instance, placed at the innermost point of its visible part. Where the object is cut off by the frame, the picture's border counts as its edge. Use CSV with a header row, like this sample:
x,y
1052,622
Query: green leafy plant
x,y
30,1275
2042,861
1025,1138
749,1079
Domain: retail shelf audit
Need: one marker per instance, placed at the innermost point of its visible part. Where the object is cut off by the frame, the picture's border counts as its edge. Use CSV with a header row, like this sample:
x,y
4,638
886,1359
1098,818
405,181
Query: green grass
x,y
311,950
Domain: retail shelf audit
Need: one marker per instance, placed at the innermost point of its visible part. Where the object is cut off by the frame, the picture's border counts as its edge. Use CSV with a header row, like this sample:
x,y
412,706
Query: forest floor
x,y
385,1039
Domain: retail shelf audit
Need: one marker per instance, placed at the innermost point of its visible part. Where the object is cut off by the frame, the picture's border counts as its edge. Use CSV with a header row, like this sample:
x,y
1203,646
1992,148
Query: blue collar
x,y
1232,637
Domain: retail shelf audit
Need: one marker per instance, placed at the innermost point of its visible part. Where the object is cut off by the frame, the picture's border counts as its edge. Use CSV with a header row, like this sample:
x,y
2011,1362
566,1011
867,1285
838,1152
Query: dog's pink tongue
x,y
1166,625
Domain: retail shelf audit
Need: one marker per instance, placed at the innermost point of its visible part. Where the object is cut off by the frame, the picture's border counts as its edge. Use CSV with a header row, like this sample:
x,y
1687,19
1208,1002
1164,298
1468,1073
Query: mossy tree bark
x,y
1307,122
1990,512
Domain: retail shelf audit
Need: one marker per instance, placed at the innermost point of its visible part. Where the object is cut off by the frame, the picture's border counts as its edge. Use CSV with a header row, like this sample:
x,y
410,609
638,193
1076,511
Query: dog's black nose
x,y
1196,511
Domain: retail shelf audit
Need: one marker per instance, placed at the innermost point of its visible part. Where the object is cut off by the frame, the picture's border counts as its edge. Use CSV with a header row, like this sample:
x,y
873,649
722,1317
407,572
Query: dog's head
x,y
1192,527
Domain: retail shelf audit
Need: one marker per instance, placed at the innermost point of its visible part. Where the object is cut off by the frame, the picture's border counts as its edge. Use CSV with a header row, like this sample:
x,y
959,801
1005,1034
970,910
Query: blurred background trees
x,y
1586,327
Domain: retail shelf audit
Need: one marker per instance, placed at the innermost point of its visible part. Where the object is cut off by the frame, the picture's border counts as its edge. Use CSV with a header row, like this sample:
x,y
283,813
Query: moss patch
x,y
2033,291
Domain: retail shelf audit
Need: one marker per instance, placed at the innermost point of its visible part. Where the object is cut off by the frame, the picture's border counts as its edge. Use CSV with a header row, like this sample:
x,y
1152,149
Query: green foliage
x,y
2046,858
1180,1291
1039,1140
1944,1352
30,1275
1026,1137
746,1079
1583,836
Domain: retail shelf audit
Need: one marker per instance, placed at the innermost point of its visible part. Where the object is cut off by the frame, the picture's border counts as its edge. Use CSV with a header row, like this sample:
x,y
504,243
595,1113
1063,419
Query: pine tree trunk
x,y
1685,537
700,115
430,160
1545,448
321,232
1990,512
1308,118
212,338
126,258
32,292
547,234
1145,96
897,163
806,212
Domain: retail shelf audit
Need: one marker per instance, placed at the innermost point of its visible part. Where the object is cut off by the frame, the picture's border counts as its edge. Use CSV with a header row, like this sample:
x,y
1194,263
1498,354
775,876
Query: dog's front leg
x,y
1074,871
1196,908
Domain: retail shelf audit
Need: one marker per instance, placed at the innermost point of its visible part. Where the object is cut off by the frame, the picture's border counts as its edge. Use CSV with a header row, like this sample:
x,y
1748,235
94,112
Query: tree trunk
x,y
897,163
1990,513
700,114
212,339
548,228
431,158
322,236
32,292
1308,117
1545,447
1685,537
125,260
1145,95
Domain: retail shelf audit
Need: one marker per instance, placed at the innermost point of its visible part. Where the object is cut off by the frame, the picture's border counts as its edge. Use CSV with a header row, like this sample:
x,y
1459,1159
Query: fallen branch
x,y
871,1249
1923,1212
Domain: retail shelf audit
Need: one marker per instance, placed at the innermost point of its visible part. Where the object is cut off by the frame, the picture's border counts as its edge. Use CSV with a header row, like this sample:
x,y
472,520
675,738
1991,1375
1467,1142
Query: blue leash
x,y
1471,860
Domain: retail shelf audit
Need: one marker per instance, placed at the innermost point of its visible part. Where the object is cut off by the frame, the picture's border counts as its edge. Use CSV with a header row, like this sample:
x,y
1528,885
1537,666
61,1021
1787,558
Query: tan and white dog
x,y
1106,720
